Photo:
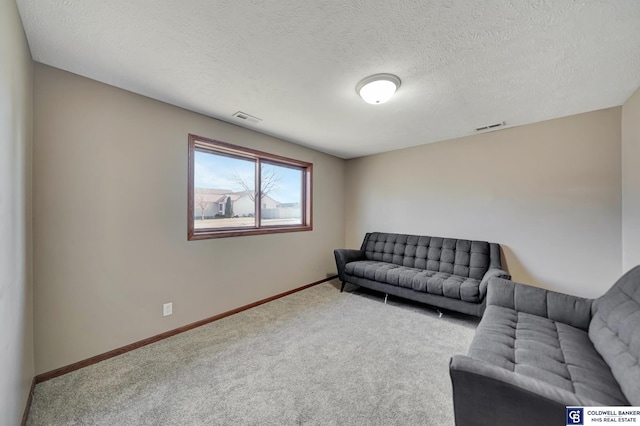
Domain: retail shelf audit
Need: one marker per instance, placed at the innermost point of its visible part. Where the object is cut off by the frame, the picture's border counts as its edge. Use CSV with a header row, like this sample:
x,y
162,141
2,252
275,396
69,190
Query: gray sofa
x,y
443,272
537,351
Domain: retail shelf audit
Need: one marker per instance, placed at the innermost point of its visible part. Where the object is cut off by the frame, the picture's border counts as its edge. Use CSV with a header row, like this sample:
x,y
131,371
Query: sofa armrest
x,y
572,310
344,256
491,273
484,394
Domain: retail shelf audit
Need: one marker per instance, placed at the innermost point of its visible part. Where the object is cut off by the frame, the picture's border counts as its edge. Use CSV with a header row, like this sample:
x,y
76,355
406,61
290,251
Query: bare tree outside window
x,y
269,183
202,204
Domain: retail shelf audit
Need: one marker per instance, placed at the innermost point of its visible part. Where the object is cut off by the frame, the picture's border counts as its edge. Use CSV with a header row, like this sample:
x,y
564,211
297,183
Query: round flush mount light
x,y
378,89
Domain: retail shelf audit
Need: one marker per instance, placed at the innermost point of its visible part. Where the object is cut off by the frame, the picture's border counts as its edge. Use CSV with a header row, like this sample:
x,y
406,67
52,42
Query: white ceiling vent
x,y
490,126
246,117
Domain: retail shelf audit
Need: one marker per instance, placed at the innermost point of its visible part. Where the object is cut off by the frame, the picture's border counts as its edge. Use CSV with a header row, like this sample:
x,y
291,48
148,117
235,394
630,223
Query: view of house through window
x,y
225,201
224,190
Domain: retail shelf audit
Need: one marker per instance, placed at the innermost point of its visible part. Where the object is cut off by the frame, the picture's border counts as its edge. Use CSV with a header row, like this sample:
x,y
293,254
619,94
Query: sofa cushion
x,y
615,332
470,259
552,352
439,283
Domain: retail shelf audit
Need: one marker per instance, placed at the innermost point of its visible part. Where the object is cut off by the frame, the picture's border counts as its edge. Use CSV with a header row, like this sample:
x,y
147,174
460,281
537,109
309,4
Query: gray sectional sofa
x,y
443,272
537,351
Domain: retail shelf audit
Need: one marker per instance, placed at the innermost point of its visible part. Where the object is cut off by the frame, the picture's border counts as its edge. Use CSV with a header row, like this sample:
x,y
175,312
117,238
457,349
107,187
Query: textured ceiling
x,y
295,63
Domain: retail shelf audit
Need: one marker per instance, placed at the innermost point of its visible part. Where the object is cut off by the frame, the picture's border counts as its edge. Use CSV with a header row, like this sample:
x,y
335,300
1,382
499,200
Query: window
x,y
236,191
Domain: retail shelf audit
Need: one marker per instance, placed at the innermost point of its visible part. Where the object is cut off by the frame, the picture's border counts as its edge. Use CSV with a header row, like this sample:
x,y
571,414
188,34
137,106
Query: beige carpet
x,y
316,357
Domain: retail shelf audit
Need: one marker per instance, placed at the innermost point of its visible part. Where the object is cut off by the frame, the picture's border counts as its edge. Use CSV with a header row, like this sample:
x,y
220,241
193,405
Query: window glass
x,y
224,189
281,195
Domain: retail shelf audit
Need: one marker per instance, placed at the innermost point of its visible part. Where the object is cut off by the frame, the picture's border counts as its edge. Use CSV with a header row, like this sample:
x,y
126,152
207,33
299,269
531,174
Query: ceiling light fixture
x,y
378,89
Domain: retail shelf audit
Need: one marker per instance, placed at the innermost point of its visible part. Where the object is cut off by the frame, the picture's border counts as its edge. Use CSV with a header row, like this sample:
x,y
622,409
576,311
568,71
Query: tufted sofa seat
x,y
537,351
546,350
440,283
444,272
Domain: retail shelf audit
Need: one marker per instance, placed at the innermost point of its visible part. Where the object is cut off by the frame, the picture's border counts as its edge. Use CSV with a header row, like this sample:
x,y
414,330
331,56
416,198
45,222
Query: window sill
x,y
206,234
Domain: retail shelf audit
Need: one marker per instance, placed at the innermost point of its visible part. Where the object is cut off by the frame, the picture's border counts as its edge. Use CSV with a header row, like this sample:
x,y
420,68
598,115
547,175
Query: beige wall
x,y
631,182
16,317
110,222
548,192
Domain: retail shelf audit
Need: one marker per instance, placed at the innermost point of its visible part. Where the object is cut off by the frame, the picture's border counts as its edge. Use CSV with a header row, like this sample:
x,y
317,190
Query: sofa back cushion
x,y
465,258
615,332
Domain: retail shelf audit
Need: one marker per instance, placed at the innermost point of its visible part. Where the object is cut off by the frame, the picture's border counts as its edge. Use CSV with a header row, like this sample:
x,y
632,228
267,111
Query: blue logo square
x,y
575,416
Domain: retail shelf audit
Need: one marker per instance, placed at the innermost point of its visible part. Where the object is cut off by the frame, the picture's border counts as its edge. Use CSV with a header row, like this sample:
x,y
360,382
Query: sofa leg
x,y
342,286
385,298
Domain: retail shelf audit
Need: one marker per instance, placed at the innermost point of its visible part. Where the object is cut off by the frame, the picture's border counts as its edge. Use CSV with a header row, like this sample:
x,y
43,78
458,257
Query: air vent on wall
x,y
246,117
490,127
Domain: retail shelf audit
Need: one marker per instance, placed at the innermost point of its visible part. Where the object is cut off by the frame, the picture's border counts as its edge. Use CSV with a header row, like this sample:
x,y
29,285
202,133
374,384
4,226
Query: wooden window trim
x,y
224,148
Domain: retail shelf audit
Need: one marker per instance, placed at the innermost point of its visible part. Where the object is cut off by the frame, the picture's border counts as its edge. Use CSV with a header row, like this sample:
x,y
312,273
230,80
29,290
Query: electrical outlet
x,y
167,309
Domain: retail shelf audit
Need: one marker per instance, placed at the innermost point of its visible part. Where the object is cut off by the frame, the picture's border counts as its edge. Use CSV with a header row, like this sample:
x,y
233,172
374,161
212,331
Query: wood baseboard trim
x,y
27,407
144,342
